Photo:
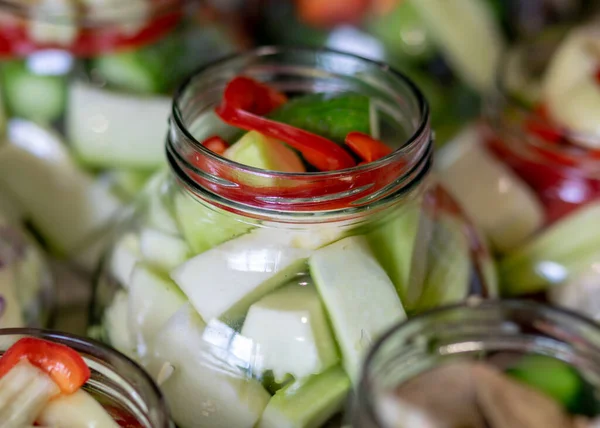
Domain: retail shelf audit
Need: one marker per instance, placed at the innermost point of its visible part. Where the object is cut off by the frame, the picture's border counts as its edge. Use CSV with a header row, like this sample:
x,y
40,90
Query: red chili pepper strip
x,y
368,148
216,144
245,100
540,124
597,75
320,152
252,96
64,365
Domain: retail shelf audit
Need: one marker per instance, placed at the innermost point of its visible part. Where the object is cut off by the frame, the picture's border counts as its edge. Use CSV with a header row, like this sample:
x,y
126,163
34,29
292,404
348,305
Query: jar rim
x,y
505,97
87,346
415,136
546,312
116,14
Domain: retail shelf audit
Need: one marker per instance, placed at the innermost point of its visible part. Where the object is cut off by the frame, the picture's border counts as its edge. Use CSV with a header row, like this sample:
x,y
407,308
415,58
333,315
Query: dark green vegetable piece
x,y
331,116
551,376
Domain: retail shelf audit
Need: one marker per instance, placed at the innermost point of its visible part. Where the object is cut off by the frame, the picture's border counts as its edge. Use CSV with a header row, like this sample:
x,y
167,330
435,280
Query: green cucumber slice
x,y
393,244
204,227
449,271
108,129
549,375
259,151
64,203
32,96
128,71
153,299
331,116
502,204
551,257
468,36
12,315
307,405
115,324
403,33
161,250
291,332
344,273
77,409
204,389
224,281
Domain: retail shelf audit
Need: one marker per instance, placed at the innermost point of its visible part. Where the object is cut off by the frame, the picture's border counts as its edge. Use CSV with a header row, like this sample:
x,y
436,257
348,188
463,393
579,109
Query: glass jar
x,y
96,79
498,332
449,50
117,383
261,246
537,170
26,286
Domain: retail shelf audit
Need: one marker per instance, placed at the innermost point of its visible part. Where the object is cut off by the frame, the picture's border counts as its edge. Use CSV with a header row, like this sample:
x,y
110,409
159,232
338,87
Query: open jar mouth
x,y
399,102
516,108
114,377
472,330
115,13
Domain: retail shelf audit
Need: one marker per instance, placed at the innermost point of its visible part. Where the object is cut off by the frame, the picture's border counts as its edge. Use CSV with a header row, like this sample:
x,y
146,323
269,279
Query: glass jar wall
x,y
501,363
26,286
449,49
223,278
120,386
86,89
530,175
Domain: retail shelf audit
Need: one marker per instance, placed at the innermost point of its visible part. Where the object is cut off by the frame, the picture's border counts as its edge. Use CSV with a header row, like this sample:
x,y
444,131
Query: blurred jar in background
x,y
529,176
26,286
523,19
86,88
450,49
483,364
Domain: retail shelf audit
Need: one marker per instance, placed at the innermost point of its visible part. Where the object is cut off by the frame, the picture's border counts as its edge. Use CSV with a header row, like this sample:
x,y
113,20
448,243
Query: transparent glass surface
x,y
529,175
252,295
117,383
496,332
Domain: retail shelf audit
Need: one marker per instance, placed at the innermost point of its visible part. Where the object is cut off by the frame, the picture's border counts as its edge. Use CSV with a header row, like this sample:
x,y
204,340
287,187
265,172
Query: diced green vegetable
x,y
32,96
204,227
549,375
553,255
359,296
331,116
204,389
226,280
309,404
292,334
259,151
449,265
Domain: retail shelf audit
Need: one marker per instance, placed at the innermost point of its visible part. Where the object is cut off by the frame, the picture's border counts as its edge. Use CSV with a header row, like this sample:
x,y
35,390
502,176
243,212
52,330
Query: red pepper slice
x,y
329,13
243,103
597,75
540,124
368,148
64,365
253,96
216,144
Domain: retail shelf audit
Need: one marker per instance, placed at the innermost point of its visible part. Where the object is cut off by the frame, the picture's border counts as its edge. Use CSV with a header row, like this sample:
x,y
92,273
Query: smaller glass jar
x,y
498,332
529,174
127,393
26,285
